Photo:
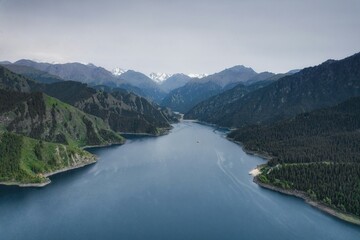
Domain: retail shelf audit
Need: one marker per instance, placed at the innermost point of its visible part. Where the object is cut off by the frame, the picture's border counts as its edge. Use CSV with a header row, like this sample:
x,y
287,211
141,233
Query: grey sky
x,y
181,36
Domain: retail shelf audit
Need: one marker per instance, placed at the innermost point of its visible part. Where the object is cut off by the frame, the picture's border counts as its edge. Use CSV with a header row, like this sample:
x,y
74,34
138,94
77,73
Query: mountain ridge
x,y
315,87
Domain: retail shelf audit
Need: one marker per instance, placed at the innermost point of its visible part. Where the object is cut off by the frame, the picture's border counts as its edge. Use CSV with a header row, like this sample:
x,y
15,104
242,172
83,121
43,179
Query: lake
x,y
190,184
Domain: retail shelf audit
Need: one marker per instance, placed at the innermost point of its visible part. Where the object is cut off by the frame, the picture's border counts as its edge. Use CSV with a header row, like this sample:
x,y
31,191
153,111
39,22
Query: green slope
x,y
122,110
27,161
45,118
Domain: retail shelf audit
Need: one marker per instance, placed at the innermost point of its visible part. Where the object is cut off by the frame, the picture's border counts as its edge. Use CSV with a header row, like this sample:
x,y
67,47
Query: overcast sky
x,y
190,36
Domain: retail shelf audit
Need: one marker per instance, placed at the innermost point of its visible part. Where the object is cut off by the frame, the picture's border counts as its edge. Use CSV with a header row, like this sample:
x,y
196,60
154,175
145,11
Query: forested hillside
x,y
316,152
312,88
122,110
39,116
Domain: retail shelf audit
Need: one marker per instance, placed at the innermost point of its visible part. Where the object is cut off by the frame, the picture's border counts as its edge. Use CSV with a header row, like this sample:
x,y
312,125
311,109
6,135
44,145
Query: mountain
x,y
13,82
236,74
139,80
175,81
215,105
93,75
87,73
40,135
135,115
315,87
159,77
197,90
259,77
33,74
122,110
29,122
184,98
317,153
39,116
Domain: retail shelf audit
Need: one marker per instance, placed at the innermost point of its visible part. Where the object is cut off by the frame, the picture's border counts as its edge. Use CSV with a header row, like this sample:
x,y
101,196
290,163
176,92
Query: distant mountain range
x,y
311,88
177,91
159,77
183,98
154,88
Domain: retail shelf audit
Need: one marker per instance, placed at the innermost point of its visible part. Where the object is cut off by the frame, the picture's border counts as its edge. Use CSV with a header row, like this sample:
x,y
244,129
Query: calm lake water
x,y
190,184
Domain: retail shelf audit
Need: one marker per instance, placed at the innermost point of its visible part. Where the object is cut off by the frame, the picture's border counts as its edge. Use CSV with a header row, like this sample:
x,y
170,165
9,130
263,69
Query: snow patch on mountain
x,y
197,75
118,71
159,77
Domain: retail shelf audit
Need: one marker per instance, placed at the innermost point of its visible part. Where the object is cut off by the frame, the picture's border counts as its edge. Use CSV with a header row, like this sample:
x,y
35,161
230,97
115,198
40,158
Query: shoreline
x,y
163,132
349,218
318,205
103,145
262,155
208,124
66,169
47,175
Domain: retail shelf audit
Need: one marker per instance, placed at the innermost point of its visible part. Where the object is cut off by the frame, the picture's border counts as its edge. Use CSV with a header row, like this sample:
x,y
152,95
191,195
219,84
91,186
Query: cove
x,y
190,184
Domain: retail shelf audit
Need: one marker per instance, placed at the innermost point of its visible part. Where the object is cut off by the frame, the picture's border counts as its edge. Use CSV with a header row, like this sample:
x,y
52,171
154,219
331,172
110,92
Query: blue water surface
x,y
190,184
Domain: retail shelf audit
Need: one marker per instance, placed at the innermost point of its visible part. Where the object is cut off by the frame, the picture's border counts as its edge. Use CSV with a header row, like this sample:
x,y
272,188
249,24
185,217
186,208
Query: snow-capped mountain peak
x,y
159,77
197,75
118,71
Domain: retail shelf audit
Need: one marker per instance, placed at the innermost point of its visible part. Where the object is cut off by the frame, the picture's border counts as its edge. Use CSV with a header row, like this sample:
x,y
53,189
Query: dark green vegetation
x,y
24,160
317,153
39,116
122,110
13,82
38,119
186,97
215,105
69,115
312,88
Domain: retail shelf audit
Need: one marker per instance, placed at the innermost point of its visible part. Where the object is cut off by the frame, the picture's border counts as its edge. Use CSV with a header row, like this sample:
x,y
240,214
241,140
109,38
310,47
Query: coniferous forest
x,y
317,153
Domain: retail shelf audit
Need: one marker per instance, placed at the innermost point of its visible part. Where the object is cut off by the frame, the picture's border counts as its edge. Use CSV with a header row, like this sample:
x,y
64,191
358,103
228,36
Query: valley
x,y
179,120
305,121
